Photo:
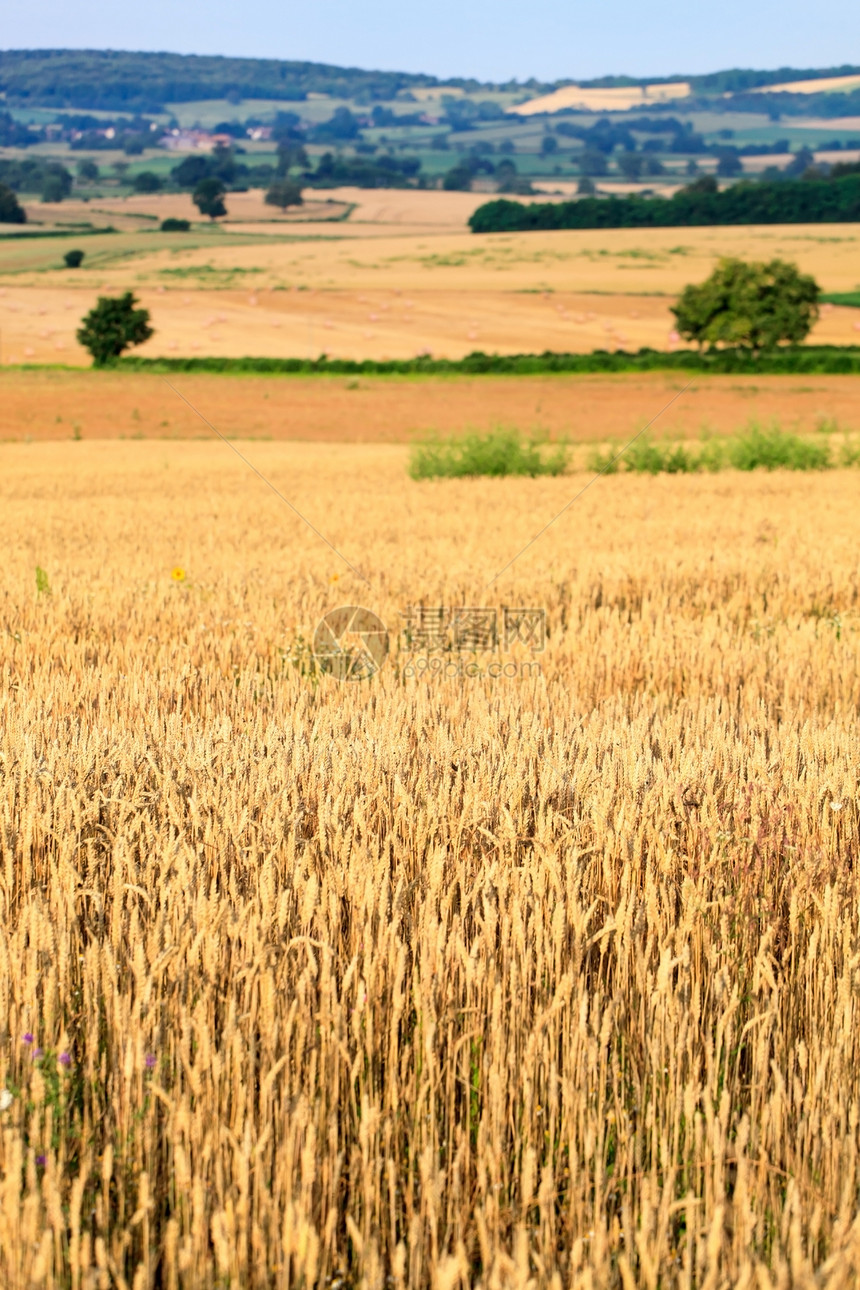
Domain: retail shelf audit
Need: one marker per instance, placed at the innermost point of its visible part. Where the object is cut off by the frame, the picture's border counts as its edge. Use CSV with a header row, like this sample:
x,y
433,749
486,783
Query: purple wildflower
x,y
37,1052
149,1061
41,1160
27,1039
64,1059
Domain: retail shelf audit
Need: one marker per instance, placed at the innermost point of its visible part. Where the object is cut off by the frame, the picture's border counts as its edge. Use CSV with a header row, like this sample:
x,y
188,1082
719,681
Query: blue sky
x,y
490,39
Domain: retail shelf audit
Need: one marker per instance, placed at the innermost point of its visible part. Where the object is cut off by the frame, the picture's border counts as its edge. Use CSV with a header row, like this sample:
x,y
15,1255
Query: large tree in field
x,y
754,304
284,193
113,326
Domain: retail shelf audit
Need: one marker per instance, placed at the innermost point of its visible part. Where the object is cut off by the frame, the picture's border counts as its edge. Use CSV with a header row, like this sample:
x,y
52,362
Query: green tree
x,y
73,259
284,193
630,164
593,162
87,170
52,189
653,166
291,156
147,181
208,197
112,326
458,179
11,211
753,304
729,165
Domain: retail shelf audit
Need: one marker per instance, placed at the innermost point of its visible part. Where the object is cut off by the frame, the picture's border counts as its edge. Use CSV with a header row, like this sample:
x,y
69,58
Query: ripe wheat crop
x,y
531,983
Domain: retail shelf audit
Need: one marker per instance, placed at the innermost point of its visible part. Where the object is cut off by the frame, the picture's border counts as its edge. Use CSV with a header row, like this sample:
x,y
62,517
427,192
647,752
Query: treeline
x,y
739,79
812,360
804,201
36,175
115,80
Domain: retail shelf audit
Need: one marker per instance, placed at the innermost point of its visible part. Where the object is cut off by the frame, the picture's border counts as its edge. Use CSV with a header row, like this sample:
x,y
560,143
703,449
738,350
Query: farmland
x,y
541,980
400,277
528,957
56,405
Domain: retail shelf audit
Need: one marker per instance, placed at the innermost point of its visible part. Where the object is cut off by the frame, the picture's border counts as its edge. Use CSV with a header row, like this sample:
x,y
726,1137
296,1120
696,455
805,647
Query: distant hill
x,y
116,80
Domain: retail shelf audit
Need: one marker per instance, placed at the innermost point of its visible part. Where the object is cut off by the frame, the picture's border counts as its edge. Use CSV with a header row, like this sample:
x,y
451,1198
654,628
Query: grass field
x,y
536,980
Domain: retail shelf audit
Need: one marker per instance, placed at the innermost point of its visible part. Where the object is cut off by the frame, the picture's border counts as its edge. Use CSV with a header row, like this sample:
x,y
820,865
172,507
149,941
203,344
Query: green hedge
x,y
798,201
810,359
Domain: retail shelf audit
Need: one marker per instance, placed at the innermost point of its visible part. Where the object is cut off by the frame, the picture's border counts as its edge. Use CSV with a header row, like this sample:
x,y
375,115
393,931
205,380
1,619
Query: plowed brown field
x,y
110,405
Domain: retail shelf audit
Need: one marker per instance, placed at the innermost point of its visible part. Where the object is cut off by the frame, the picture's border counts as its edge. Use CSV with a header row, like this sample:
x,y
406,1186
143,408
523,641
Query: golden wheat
x,y
537,983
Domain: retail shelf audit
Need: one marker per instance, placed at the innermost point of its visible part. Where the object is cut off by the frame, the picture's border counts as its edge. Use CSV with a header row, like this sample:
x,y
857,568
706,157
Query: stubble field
x,y
402,276
540,979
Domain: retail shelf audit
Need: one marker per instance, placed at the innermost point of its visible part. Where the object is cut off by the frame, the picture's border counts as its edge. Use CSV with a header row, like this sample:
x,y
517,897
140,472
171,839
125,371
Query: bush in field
x,y
73,259
113,326
504,452
11,211
208,197
771,450
284,193
753,304
754,449
171,225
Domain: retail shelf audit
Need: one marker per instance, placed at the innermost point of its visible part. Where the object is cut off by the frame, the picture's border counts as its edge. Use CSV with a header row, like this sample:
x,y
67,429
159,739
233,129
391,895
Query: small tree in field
x,y
208,197
753,304
112,327
284,193
11,211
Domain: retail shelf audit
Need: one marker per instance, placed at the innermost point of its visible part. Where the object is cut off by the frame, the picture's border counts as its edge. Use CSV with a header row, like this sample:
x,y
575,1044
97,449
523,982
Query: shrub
x,y
771,449
171,225
73,259
503,452
754,449
112,327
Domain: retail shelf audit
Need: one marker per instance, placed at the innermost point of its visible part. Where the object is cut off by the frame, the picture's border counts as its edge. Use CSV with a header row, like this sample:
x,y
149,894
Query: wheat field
x,y
549,980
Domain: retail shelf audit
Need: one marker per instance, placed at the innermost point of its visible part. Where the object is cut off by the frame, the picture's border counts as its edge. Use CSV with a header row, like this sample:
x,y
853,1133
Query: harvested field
x,y
539,981
372,210
53,405
391,296
622,261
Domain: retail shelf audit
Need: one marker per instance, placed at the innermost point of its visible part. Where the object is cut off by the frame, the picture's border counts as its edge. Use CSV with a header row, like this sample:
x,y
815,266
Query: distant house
x,y
260,133
190,140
